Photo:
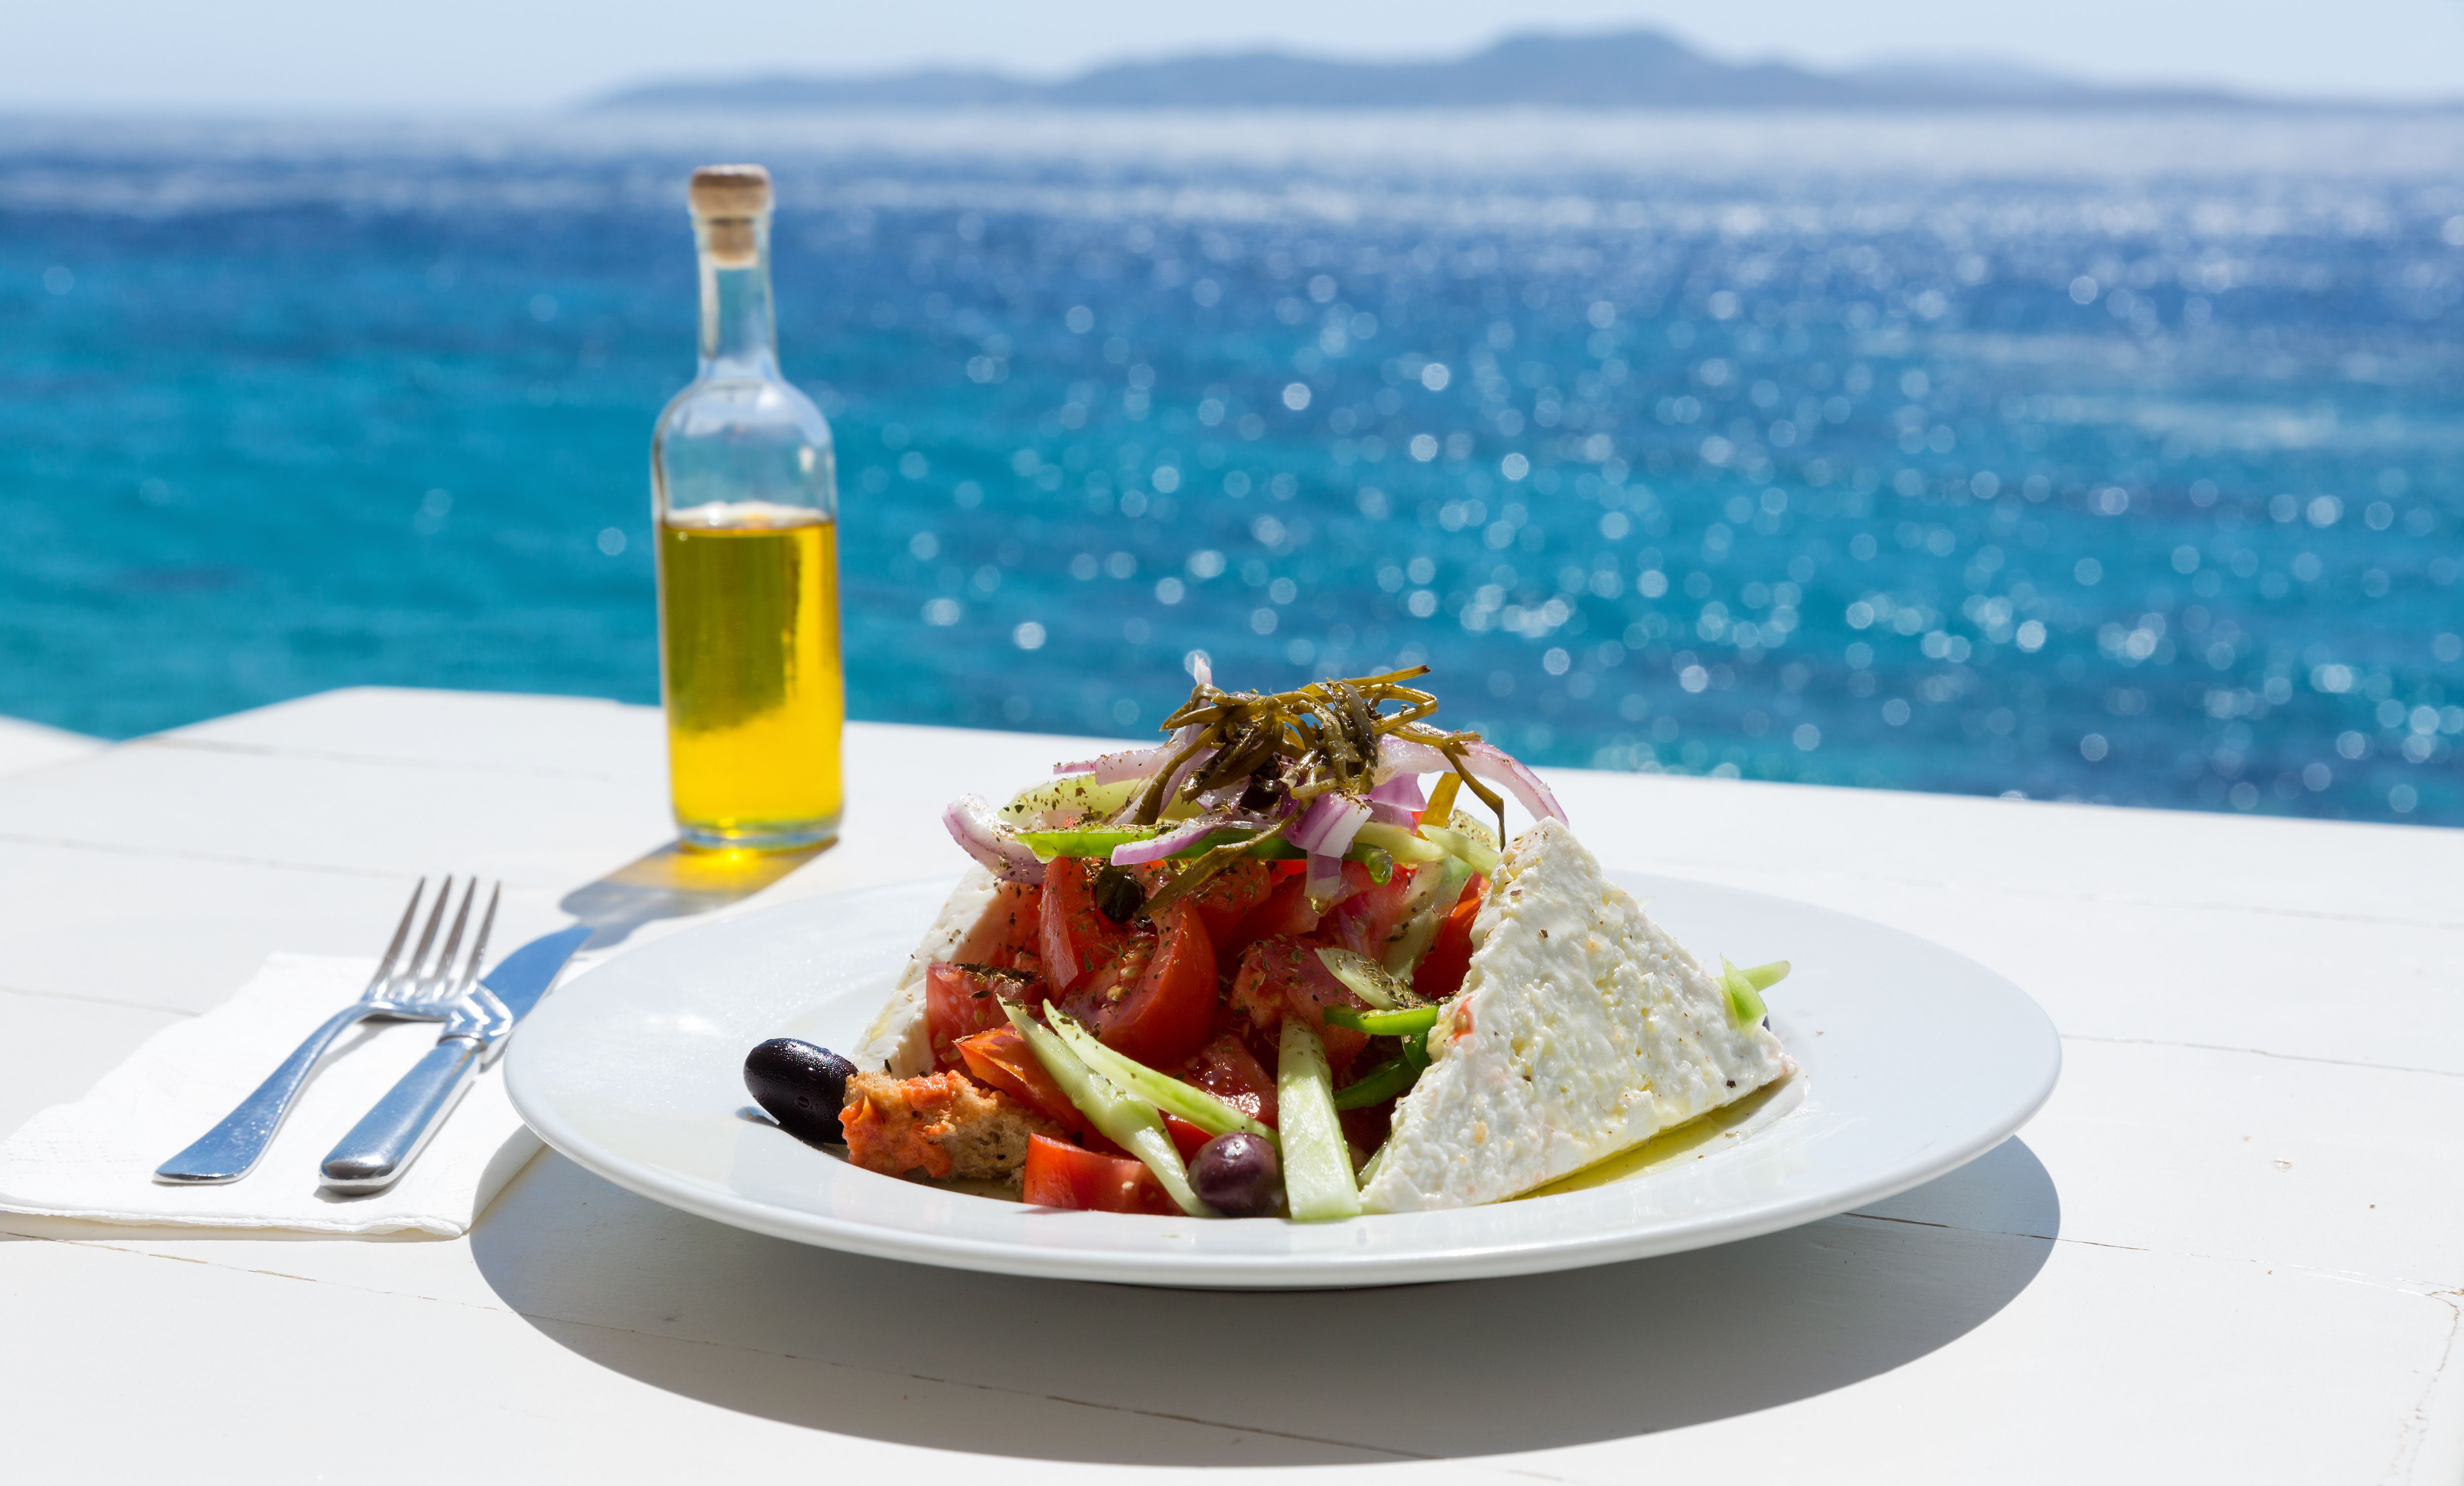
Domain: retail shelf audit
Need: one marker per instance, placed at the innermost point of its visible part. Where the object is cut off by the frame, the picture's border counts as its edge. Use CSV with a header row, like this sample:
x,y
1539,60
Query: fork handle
x,y
383,1145
232,1148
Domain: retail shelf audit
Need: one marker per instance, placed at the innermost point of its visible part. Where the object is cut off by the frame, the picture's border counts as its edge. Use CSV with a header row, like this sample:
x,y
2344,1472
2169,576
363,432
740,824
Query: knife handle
x,y
383,1144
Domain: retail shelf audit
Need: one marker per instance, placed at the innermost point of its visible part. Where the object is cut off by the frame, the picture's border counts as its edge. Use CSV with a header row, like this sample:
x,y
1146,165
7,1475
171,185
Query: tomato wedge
x,y
1155,1004
961,999
1367,920
1442,970
1001,1057
1228,1069
1061,1175
1229,895
1284,977
1074,937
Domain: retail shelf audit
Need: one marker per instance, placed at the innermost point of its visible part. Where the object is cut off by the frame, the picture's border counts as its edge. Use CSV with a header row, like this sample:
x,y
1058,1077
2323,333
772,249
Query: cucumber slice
x,y
1745,1001
1130,1123
1317,1168
1169,1095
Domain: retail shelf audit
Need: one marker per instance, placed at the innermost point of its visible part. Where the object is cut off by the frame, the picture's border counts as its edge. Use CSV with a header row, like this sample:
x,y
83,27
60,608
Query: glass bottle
x,y
744,498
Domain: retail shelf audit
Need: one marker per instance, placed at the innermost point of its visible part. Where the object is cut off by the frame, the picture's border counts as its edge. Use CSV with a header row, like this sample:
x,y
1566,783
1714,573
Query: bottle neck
x,y
739,339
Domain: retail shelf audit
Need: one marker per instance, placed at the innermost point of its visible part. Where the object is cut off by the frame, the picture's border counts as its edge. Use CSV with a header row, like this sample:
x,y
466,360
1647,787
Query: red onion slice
x,y
1131,853
981,835
1052,941
1328,825
1400,756
1325,884
1111,769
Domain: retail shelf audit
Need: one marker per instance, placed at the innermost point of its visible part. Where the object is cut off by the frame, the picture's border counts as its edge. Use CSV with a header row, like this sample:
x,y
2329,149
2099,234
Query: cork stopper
x,y
730,204
730,192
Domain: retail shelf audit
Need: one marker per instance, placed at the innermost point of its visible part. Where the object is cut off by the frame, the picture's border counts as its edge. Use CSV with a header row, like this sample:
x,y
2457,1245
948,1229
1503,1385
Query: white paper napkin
x,y
94,1159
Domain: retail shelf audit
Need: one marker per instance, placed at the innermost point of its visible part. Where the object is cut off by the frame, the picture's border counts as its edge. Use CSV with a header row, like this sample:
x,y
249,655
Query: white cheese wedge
x,y
1590,1031
967,930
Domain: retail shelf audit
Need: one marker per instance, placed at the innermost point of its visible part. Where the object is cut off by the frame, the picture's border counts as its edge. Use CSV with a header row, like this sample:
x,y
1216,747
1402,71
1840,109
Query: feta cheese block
x,y
1581,1030
968,929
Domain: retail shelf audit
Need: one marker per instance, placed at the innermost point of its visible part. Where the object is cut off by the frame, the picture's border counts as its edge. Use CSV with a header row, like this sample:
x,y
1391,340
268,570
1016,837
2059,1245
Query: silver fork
x,y
419,988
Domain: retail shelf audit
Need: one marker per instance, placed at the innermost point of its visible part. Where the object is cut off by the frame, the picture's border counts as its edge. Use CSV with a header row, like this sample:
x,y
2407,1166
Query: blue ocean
x,y
2104,457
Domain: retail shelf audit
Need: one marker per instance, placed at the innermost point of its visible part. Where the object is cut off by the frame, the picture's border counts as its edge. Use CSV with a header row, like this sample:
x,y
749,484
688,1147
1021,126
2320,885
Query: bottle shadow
x,y
1069,1371
675,881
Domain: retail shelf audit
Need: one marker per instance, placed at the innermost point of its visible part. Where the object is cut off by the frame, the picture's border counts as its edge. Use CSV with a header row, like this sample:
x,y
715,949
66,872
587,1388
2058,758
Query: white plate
x,y
1911,1060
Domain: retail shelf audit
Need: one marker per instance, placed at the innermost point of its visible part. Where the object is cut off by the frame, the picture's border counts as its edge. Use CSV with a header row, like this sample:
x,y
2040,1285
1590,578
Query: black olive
x,y
801,1086
1118,895
1239,1176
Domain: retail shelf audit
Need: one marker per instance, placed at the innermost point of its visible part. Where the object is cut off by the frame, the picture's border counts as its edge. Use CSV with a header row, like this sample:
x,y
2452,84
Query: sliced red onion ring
x,y
1111,769
981,835
1200,669
1325,884
1397,802
1328,825
1496,764
1400,756
1131,853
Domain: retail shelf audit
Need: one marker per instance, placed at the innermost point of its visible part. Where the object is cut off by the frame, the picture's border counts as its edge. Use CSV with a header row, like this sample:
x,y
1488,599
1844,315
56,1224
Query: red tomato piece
x,y
1186,1136
1074,937
1284,977
1229,896
1442,970
1061,1175
961,999
1166,991
1372,916
1286,910
1002,1058
1228,1069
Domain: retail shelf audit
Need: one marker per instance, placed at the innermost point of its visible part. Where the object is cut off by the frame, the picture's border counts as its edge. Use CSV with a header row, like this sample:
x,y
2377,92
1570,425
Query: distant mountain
x,y
1634,69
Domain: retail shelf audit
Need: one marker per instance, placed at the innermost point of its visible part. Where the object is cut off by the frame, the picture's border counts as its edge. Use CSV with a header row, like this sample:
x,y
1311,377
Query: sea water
x,y
2102,457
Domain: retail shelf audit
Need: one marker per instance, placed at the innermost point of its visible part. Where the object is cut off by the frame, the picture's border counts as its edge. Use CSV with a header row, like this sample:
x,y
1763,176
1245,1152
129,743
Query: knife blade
x,y
392,1134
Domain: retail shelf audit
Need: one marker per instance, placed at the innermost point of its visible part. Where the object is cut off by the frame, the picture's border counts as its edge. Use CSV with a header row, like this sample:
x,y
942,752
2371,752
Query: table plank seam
x,y
369,760
2287,1057
986,1387
2419,1424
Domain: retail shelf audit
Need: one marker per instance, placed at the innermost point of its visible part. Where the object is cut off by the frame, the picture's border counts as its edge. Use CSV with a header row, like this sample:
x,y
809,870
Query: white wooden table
x,y
2230,1249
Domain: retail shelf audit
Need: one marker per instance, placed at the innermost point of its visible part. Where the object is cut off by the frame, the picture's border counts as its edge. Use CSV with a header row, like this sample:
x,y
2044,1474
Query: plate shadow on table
x,y
957,1361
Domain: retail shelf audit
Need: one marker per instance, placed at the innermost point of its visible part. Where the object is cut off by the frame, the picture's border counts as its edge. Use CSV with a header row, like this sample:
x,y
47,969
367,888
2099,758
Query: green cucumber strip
x,y
1376,1086
1745,1003
1405,846
1463,844
1169,1095
1100,840
1130,1123
1400,1023
1366,979
1318,1183
1763,977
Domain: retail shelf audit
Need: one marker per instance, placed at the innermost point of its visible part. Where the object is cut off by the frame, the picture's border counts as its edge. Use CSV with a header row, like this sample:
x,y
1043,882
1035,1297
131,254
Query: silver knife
x,y
390,1137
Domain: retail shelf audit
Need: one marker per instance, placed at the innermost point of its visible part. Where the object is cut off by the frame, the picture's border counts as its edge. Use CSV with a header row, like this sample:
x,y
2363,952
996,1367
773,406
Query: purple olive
x,y
1239,1176
801,1086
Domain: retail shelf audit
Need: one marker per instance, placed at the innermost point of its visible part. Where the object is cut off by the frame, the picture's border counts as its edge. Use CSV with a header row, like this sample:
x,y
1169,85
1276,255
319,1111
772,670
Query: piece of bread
x,y
942,1124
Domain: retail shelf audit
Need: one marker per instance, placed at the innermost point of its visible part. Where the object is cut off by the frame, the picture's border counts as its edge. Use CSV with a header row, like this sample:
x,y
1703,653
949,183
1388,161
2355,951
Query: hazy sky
x,y
439,55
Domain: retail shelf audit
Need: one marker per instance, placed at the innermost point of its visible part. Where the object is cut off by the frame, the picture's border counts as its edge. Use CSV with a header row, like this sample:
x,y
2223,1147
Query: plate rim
x,y
1160,1267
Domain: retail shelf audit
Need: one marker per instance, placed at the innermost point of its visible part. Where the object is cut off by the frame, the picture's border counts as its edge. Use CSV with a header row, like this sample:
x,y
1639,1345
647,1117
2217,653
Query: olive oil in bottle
x,y
745,499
